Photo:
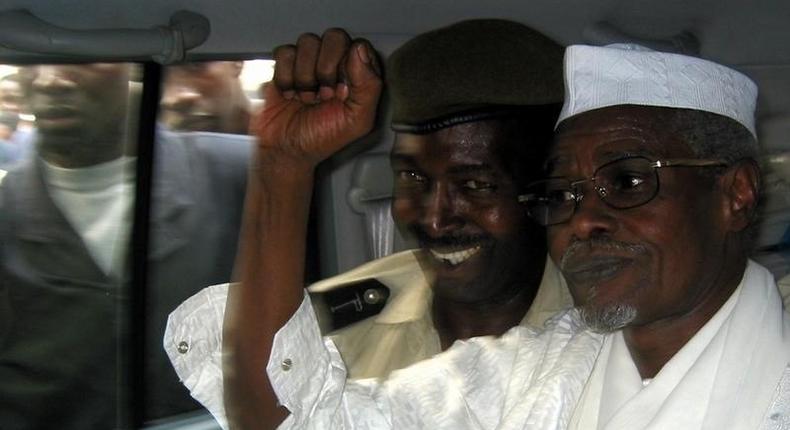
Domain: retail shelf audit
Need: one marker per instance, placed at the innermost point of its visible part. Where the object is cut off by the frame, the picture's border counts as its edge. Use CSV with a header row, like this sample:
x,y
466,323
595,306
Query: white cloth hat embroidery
x,y
597,77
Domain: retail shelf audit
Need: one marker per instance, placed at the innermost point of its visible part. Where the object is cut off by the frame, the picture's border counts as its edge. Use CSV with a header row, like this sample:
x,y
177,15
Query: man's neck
x,y
74,153
653,345
454,320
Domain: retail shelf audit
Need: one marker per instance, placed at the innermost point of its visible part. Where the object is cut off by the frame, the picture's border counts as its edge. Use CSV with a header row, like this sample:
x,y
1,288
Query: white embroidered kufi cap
x,y
597,77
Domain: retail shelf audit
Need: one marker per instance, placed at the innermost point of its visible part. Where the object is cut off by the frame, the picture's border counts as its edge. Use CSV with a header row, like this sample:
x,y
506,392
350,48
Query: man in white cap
x,y
651,191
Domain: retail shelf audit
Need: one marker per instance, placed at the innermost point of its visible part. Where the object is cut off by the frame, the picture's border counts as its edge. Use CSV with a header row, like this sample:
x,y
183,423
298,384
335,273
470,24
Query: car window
x,y
80,172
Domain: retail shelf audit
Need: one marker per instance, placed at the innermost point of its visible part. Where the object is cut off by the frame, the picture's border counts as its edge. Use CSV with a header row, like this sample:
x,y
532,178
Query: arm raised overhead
x,y
324,95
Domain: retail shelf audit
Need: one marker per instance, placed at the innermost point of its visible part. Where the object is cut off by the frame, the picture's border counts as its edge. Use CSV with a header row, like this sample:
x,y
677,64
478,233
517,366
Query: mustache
x,y
452,240
582,248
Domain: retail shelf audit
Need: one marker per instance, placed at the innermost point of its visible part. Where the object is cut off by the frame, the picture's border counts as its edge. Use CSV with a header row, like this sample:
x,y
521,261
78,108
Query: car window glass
x,y
68,163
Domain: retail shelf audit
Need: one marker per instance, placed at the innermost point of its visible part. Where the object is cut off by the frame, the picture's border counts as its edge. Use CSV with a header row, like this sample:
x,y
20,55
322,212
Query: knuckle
x,y
282,80
305,83
284,53
337,33
308,39
326,73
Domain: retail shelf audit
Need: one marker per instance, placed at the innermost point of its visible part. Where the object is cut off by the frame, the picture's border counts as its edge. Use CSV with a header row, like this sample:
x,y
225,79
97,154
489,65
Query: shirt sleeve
x,y
309,378
306,370
193,342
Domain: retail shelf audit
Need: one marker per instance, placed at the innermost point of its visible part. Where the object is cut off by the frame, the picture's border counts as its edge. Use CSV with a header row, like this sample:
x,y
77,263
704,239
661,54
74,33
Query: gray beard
x,y
608,318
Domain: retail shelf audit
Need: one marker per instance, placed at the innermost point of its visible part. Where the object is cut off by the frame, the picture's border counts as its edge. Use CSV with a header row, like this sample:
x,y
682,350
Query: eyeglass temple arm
x,y
688,162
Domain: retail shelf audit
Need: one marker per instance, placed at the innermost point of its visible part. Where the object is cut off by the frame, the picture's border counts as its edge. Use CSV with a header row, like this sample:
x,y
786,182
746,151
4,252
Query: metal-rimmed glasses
x,y
621,184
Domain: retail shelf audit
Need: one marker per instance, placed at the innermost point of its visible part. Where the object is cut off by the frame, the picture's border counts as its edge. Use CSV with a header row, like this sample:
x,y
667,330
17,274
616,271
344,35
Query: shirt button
x,y
183,347
286,364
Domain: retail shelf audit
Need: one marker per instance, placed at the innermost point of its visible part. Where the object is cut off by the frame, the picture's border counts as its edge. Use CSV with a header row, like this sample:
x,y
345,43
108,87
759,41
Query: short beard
x,y
608,318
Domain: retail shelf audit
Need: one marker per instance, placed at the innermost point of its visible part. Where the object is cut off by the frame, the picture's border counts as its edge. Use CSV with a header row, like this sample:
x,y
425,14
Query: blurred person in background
x,y
205,96
15,133
64,250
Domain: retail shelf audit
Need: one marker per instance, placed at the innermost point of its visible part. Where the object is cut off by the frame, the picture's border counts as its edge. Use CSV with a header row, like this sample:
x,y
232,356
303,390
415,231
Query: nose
x,y
439,211
53,79
592,216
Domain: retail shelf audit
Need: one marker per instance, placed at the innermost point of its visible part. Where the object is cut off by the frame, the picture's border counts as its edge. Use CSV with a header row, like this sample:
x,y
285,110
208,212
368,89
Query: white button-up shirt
x,y
477,384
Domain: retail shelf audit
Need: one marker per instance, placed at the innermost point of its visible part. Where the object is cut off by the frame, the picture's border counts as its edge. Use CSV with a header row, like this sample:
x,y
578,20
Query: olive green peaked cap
x,y
470,71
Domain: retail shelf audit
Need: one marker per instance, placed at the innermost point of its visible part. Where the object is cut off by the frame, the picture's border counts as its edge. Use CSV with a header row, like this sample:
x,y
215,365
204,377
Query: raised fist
x,y
323,96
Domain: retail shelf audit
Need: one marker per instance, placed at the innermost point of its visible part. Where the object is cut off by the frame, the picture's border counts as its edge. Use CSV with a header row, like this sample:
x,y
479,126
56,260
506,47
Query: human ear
x,y
741,186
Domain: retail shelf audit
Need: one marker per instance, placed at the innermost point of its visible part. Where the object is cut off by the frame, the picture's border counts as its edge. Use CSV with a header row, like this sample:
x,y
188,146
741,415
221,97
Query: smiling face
x,y
659,261
456,193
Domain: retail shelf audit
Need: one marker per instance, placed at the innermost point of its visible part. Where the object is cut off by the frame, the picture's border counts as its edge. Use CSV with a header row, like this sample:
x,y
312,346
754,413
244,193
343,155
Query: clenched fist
x,y
323,96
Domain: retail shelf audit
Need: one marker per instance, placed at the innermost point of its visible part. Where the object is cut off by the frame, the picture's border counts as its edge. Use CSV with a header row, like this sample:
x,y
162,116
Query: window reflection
x,y
68,137
15,119
213,96
66,205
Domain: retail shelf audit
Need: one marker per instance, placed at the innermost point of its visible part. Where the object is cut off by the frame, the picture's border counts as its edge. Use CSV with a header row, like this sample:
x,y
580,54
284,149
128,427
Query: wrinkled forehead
x,y
460,141
614,132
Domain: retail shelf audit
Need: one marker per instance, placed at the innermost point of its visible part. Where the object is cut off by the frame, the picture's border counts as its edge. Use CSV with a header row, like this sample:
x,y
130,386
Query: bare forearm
x,y
271,265
298,128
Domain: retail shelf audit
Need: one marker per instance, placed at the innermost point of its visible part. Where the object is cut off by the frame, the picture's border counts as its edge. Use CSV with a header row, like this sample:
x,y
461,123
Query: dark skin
x,y
691,234
206,96
456,194
324,96
80,112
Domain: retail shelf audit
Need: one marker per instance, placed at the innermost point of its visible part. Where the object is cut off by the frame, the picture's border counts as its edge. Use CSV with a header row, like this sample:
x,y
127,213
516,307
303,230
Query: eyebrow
x,y
638,151
604,156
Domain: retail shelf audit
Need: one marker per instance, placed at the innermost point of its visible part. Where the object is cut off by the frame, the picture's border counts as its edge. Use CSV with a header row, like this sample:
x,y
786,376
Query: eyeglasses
x,y
621,184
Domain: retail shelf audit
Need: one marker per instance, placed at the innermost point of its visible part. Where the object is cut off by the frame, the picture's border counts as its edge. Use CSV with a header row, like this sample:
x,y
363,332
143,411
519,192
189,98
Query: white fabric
x,y
735,370
724,378
530,379
403,332
193,342
97,202
381,227
400,335
517,381
616,396
597,77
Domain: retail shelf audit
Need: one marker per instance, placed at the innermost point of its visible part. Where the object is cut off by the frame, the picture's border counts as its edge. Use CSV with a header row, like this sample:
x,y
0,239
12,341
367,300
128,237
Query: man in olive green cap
x,y
471,126
474,106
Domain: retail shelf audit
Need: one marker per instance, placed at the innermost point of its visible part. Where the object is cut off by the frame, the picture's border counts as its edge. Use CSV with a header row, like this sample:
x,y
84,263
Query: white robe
x,y
731,376
724,377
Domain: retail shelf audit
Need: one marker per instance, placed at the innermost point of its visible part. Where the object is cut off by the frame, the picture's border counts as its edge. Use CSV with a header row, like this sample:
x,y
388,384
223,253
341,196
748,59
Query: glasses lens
x,y
549,202
627,183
